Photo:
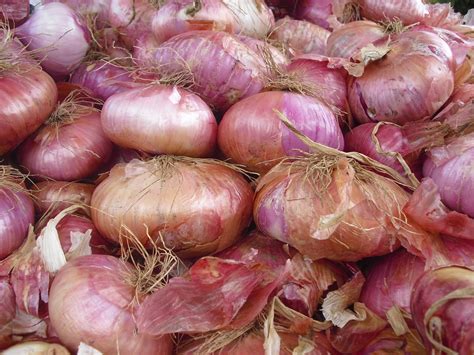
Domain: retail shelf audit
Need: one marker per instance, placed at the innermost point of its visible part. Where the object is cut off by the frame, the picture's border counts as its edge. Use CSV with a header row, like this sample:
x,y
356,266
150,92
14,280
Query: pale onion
x,y
16,210
70,146
36,348
178,16
347,40
442,307
94,9
254,18
407,11
92,301
197,206
251,132
61,44
160,119
341,217
300,36
223,69
411,82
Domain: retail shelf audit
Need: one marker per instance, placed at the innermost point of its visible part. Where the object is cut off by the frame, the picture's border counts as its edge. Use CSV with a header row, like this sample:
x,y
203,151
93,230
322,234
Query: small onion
x,y
442,307
254,18
197,206
91,301
160,119
251,132
410,83
60,44
407,11
301,36
346,41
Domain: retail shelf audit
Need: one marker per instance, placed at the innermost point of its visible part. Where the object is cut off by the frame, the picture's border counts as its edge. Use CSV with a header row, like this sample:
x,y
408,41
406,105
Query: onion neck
x,y
73,107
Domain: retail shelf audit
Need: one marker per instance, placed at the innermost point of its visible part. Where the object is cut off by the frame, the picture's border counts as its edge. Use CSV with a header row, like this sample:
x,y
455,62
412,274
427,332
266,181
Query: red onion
x,y
410,83
91,301
407,11
450,168
160,119
224,70
263,48
16,211
55,196
197,206
349,39
178,16
254,18
97,9
15,11
301,36
389,282
442,306
70,146
341,217
51,40
315,11
103,78
387,342
65,89
255,119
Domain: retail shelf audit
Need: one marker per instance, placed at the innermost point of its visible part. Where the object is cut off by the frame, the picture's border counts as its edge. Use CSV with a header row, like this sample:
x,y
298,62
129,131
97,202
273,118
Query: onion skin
x,y
405,94
224,69
97,8
251,132
407,11
160,119
69,152
346,41
454,318
8,307
52,39
254,18
199,207
262,48
26,100
301,36
36,348
314,11
90,301
15,11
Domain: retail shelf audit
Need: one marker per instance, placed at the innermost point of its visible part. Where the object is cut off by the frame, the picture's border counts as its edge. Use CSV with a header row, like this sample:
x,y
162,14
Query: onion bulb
x,y
36,348
407,11
160,119
254,17
197,207
95,9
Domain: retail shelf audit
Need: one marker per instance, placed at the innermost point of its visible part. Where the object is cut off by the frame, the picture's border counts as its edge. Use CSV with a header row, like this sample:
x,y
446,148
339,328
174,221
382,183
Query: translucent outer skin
x,y
26,100
161,119
17,212
198,208
251,132
410,83
71,152
456,315
90,301
407,11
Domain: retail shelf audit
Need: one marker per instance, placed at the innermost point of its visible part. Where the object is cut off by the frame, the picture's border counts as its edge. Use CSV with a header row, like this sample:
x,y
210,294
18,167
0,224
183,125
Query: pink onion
x,y
263,48
70,146
61,44
251,132
160,119
223,69
197,206
407,11
347,40
16,211
7,308
315,11
412,81
97,9
178,16
442,306
15,11
390,280
254,18
301,36
91,301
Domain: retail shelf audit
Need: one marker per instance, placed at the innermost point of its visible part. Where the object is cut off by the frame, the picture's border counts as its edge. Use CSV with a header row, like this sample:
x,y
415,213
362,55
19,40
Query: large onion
x,y
412,81
252,133
60,44
92,301
442,306
197,206
160,119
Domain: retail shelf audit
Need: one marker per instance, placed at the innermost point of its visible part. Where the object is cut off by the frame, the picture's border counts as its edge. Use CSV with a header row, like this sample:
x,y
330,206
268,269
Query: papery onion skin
x,y
301,36
8,307
389,282
263,48
160,119
410,83
55,196
26,100
52,39
198,207
315,11
254,18
343,233
251,132
90,301
347,40
224,70
453,319
407,11
69,152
